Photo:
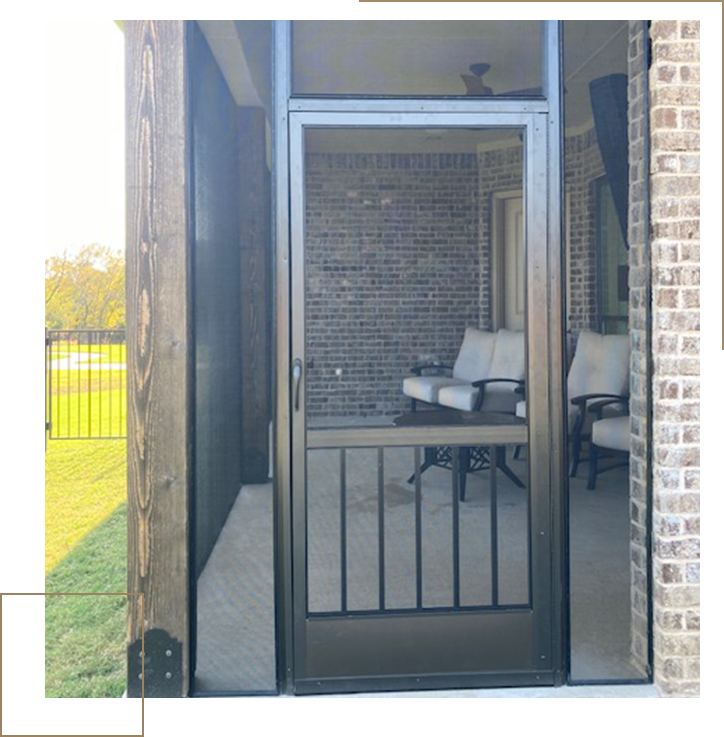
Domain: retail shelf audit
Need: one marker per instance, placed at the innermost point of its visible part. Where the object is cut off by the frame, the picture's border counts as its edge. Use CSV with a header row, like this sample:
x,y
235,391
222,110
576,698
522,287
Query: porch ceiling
x,y
592,49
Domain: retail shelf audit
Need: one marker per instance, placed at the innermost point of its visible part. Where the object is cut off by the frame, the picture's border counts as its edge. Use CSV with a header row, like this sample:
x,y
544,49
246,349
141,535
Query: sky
x,y
84,136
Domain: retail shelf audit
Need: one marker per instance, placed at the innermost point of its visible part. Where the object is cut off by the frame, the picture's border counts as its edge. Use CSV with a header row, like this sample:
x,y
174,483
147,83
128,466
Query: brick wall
x,y
674,80
583,167
398,258
393,268
639,272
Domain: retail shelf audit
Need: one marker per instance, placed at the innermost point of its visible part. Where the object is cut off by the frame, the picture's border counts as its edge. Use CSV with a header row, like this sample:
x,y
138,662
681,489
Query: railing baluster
x,y
77,371
67,384
456,525
65,379
99,377
90,393
493,455
50,385
109,371
418,527
381,524
343,525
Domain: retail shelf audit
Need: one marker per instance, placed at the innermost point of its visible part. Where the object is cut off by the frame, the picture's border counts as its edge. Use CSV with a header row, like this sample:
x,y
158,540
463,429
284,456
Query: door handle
x,y
297,378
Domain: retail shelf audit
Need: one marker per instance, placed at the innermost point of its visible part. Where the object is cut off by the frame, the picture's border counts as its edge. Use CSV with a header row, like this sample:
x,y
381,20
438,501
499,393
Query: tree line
x,y
86,289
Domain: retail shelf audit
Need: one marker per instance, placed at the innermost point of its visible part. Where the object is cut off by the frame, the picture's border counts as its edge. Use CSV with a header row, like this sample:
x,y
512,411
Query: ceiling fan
x,y
476,87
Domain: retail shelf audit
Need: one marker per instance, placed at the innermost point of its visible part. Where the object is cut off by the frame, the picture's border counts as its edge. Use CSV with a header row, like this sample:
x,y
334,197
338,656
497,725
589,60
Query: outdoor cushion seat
x,y
598,378
613,433
498,398
488,369
610,436
427,388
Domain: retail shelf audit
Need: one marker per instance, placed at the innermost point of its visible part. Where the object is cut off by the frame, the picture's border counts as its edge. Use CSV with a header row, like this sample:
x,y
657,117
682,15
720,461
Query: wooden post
x,y
157,271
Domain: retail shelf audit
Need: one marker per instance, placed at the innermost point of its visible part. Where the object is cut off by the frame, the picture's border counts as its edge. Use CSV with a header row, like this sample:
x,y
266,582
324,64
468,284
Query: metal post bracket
x,y
162,673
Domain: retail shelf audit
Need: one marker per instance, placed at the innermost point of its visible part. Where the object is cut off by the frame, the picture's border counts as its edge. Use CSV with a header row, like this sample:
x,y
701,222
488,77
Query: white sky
x,y
84,135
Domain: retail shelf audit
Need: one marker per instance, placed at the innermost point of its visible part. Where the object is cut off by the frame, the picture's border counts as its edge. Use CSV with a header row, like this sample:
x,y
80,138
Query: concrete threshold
x,y
648,691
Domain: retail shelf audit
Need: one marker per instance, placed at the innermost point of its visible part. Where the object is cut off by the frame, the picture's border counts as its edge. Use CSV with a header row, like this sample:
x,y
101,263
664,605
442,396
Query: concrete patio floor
x,y
235,633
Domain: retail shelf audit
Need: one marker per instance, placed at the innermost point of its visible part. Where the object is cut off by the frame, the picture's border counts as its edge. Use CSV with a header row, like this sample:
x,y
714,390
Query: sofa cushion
x,y
475,356
426,388
509,355
462,397
600,365
613,433
497,398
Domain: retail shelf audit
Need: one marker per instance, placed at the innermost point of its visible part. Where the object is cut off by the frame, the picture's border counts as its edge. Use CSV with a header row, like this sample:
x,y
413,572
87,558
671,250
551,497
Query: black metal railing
x,y
480,546
85,384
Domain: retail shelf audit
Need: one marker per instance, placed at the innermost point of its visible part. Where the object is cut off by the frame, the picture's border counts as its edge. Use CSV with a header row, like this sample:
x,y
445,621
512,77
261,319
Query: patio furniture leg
x,y
464,463
430,460
502,464
576,447
592,466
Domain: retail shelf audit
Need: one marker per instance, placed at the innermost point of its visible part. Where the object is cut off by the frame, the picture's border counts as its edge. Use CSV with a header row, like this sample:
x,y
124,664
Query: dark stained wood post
x,y
159,358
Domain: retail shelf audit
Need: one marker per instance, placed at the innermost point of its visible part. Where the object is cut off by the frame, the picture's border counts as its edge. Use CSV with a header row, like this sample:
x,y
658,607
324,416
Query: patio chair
x,y
489,368
610,436
599,375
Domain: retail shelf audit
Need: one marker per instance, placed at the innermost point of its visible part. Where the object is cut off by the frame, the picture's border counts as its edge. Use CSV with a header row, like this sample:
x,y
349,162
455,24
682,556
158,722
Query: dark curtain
x,y
609,101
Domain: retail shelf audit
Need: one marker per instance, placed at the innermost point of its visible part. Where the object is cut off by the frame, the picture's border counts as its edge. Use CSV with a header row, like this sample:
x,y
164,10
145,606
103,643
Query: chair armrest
x,y
484,382
583,399
417,370
597,407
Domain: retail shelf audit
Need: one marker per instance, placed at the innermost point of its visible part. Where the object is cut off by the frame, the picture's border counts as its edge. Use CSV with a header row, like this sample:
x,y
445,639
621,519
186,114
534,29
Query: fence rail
x,y
85,384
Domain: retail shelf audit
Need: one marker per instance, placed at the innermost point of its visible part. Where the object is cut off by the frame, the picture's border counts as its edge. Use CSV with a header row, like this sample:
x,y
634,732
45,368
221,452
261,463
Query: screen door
x,y
420,470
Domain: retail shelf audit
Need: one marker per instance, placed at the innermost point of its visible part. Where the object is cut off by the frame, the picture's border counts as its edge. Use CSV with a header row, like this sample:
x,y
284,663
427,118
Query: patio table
x,y
472,458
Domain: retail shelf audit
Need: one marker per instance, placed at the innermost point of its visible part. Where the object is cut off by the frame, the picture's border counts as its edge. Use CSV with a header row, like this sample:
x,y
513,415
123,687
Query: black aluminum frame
x,y
438,112
552,105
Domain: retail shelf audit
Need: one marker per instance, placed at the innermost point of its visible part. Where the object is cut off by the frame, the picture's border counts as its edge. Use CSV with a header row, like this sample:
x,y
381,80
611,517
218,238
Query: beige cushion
x,y
482,355
475,356
600,366
509,356
426,388
497,398
613,433
458,397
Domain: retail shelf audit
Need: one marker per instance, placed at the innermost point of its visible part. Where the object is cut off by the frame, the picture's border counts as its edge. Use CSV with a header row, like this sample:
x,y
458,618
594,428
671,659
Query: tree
x,y
86,290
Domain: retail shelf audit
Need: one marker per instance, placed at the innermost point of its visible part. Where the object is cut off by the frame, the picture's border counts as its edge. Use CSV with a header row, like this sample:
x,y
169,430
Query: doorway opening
x,y
397,481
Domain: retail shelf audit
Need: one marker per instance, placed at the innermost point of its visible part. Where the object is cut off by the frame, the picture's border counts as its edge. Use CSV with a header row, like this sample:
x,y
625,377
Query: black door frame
x,y
547,284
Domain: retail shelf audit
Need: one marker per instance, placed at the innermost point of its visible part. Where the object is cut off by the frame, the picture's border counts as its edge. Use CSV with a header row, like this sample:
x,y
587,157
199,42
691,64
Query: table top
x,y
451,417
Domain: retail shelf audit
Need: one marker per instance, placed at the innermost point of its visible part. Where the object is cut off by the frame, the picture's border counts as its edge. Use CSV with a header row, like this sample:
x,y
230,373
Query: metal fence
x,y
85,384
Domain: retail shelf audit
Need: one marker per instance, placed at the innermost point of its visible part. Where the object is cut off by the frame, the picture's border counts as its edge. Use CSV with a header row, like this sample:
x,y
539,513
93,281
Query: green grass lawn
x,y
85,540
112,353
85,636
85,481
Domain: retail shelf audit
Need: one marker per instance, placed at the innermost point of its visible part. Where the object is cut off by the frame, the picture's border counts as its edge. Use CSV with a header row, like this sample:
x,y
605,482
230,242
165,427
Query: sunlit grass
x,y
85,652
85,481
